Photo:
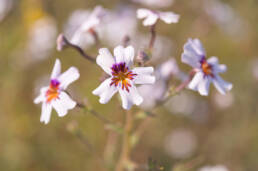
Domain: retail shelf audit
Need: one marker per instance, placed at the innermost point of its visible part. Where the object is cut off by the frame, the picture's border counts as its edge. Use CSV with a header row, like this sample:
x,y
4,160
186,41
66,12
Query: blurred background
x,y
189,132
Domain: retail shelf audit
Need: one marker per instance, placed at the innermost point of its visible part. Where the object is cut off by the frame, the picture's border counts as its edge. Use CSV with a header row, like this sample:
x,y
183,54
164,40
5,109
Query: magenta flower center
x,y
53,90
122,74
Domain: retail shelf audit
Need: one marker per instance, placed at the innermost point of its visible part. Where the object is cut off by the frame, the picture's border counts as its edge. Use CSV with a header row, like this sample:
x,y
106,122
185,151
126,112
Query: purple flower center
x,y
121,74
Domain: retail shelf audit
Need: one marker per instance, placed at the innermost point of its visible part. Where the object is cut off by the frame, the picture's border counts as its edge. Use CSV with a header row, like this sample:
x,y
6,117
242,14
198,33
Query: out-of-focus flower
x,y
255,69
122,76
82,25
207,70
168,68
54,96
181,143
214,168
42,37
155,3
190,106
223,101
5,7
163,46
151,17
226,18
162,74
111,32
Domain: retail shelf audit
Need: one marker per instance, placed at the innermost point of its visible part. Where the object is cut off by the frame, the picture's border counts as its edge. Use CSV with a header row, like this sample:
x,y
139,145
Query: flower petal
x,y
193,53
142,13
169,17
150,20
204,86
69,76
119,54
105,91
221,85
56,70
63,104
129,55
198,77
143,75
143,70
213,60
42,96
105,60
130,98
45,112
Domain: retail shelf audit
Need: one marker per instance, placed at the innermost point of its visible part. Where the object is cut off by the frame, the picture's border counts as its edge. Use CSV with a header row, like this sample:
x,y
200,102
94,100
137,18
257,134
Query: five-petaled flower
x,y
54,96
207,70
151,17
122,76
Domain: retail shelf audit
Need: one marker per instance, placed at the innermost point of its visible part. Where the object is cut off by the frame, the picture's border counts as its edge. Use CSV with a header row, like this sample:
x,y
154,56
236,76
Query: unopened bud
x,y
61,42
142,57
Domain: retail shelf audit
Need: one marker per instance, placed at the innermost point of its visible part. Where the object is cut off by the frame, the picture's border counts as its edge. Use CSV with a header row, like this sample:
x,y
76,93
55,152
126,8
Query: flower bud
x,y
61,42
142,57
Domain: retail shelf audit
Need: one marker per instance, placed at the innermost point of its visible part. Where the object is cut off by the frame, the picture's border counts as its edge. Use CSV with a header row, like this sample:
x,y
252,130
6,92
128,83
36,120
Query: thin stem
x,y
153,36
125,151
62,42
83,54
94,113
88,145
141,128
178,89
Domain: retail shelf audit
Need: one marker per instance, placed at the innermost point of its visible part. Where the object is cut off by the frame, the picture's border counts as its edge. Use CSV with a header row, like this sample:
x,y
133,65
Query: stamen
x,y
53,90
206,67
122,74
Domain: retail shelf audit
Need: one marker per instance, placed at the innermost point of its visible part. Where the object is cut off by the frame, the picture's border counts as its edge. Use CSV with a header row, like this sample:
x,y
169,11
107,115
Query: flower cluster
x,y
123,77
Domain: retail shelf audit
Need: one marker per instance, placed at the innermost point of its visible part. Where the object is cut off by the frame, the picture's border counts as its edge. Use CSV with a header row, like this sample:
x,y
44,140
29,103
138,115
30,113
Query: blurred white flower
x,y
180,144
163,73
151,17
168,68
54,96
226,18
163,46
214,168
41,41
155,3
188,105
83,24
111,32
207,70
223,101
122,76
5,7
255,69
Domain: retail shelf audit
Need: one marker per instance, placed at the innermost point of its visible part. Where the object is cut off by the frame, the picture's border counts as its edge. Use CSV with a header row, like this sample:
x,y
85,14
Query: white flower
x,y
111,32
89,24
122,77
207,70
155,3
214,168
54,95
151,17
